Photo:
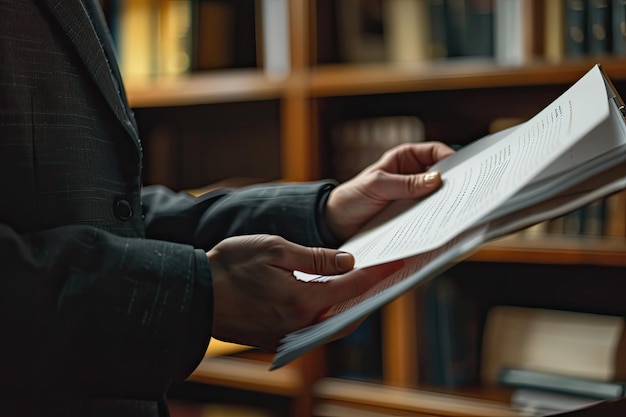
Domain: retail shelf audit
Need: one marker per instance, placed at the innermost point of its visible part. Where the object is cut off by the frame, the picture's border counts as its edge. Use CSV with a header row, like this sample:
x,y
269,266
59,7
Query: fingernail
x,y
431,178
344,261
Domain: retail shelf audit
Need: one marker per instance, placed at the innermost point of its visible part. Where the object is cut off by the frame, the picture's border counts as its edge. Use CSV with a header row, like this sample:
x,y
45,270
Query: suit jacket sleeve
x,y
81,307
293,211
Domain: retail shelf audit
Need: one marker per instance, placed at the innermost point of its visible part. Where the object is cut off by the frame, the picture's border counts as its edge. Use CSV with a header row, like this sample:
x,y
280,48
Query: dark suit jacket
x,y
105,289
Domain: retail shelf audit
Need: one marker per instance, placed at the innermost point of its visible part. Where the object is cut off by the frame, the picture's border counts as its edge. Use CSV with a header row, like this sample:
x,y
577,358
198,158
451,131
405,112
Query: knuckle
x,y
320,263
276,246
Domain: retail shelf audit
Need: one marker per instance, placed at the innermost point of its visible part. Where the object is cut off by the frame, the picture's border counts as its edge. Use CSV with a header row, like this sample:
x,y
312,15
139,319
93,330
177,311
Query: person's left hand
x,y
257,300
398,174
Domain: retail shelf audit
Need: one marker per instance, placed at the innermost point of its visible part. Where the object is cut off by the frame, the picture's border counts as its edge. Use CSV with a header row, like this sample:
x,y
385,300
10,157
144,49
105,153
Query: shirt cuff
x,y
325,234
201,320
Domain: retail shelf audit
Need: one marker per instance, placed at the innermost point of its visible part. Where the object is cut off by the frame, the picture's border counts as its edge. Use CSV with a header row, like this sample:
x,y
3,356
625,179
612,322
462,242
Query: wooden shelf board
x,y
205,88
338,80
376,398
562,250
249,375
344,79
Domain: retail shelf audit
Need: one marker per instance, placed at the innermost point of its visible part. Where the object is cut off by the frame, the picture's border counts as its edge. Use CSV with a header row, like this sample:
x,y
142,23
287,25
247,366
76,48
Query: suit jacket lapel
x,y
77,24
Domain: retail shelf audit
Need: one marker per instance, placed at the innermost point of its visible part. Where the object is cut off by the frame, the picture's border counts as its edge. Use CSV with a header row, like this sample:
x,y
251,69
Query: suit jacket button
x,y
123,210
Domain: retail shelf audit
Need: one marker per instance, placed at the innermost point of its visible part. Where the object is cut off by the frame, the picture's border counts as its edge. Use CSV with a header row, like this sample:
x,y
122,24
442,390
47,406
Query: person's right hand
x,y
258,300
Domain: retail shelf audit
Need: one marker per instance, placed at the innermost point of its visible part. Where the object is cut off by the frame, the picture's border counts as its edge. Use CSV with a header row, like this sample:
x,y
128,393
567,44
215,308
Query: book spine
x,y
599,27
451,330
360,30
512,41
618,19
406,30
615,221
213,33
554,31
481,28
438,31
175,46
456,27
137,34
595,218
357,355
358,143
275,37
576,28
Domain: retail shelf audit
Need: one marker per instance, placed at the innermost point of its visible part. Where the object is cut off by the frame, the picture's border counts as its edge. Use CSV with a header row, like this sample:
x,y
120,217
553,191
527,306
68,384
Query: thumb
x,y
319,261
412,186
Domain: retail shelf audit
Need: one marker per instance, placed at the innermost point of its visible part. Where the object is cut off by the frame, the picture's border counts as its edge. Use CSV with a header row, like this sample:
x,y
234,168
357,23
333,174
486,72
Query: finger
x,y
320,261
354,283
411,158
398,187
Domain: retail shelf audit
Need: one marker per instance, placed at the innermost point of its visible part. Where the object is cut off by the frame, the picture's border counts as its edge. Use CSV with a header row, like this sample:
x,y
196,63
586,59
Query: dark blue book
x,y
599,27
576,43
456,28
480,28
618,18
451,334
357,356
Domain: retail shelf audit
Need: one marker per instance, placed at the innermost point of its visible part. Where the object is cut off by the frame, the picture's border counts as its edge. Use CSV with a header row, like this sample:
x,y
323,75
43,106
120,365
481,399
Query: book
x,y
568,155
213,34
360,30
563,384
467,27
481,28
618,27
451,337
407,30
355,355
175,37
437,32
456,26
579,345
576,42
554,31
615,218
599,27
359,143
137,29
515,28
274,37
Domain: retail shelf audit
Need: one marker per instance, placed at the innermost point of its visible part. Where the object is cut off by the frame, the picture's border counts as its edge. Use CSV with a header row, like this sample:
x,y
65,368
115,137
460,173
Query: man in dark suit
x,y
107,293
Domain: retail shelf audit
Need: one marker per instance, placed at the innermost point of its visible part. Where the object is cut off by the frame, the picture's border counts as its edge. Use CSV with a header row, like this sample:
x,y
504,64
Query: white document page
x,y
481,183
426,265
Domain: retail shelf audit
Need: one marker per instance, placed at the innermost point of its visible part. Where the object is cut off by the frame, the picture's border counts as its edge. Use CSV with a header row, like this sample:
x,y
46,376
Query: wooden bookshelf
x,y
298,112
353,80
